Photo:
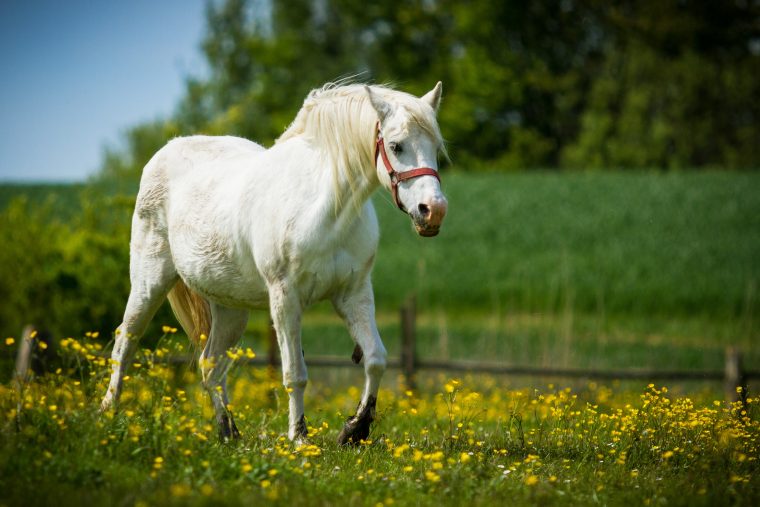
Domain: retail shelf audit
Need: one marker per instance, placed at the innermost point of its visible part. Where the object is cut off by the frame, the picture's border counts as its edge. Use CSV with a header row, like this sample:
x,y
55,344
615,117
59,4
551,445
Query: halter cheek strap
x,y
395,176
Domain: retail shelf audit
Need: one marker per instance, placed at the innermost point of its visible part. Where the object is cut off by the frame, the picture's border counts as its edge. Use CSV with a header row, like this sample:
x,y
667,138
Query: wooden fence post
x,y
24,355
408,341
34,353
735,379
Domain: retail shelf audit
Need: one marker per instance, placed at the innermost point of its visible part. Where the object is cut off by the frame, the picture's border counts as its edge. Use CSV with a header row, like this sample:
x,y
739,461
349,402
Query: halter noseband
x,y
395,176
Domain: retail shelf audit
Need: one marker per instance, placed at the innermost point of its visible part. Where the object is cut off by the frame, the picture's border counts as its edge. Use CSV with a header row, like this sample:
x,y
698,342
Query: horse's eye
x,y
396,148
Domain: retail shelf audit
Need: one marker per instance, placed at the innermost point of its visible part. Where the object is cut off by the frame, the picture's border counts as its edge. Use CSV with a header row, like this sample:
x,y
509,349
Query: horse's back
x,y
196,153
188,205
187,158
214,146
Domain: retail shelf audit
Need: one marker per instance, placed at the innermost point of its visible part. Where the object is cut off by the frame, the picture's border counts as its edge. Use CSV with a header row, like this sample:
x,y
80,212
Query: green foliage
x,y
65,274
62,199
596,243
29,267
644,112
556,83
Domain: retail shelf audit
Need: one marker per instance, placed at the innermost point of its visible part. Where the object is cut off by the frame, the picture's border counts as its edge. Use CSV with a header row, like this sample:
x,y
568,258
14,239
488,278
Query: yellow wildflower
x,y
432,476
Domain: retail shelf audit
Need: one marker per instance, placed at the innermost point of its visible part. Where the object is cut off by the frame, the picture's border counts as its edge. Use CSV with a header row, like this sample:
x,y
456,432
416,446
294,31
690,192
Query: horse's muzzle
x,y
426,231
428,217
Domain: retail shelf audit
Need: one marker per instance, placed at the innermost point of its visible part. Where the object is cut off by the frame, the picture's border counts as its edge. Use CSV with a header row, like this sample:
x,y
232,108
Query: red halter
x,y
397,177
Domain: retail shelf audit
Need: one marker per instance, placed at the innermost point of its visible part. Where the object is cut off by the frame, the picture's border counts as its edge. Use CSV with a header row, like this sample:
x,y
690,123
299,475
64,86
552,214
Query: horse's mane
x,y
340,119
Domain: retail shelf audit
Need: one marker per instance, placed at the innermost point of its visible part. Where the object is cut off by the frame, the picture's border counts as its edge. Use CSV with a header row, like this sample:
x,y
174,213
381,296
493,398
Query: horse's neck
x,y
345,196
351,196
349,205
328,203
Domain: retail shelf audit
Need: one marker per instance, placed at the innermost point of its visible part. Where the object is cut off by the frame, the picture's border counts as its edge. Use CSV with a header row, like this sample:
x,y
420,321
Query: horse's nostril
x,y
424,210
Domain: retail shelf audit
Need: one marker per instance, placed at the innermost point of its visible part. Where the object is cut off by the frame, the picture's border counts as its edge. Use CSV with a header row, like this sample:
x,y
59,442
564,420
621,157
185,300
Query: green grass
x,y
612,270
599,242
604,270
624,243
62,197
477,441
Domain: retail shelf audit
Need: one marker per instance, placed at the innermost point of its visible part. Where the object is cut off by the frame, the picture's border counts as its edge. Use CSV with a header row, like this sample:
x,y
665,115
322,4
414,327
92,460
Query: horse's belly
x,y
231,292
221,278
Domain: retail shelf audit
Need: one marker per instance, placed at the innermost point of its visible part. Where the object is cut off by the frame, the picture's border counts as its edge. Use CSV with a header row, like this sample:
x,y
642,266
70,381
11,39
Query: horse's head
x,y
406,155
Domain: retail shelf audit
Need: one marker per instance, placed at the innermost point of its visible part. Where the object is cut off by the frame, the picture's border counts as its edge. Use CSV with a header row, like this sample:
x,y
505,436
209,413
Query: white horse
x,y
222,225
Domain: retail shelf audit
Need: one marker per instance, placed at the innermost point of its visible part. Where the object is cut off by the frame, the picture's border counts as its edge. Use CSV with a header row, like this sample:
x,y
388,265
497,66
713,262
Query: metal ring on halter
x,y
395,176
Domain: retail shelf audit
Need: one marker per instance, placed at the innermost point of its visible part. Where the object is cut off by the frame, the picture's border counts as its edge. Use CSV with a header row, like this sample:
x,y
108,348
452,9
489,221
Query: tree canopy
x,y
558,83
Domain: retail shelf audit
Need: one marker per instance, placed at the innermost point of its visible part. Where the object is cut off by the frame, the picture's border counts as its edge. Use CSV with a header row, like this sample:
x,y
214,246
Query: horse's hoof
x,y
354,431
299,433
356,428
228,430
299,442
106,405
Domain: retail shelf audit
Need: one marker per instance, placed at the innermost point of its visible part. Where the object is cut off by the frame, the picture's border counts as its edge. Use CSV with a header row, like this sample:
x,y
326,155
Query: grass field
x,y
64,195
474,441
611,242
583,270
610,269
643,243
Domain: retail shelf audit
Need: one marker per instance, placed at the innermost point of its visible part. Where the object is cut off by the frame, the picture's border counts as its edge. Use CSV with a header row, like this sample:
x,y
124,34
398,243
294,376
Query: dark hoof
x,y
357,355
301,431
356,428
227,429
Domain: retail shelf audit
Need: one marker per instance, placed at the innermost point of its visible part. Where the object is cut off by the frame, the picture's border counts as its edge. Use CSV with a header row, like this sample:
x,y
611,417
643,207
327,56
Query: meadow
x,y
476,441
614,242
584,270
600,243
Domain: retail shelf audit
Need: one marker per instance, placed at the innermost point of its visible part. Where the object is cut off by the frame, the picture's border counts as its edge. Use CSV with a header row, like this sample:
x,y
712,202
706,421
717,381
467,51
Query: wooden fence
x,y
409,362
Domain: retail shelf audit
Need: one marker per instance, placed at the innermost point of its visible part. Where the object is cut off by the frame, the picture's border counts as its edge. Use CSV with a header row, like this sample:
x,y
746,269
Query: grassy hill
x,y
65,195
588,266
638,242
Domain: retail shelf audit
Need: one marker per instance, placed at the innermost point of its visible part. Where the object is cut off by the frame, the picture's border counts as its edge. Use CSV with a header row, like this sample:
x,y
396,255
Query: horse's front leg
x,y
285,308
358,311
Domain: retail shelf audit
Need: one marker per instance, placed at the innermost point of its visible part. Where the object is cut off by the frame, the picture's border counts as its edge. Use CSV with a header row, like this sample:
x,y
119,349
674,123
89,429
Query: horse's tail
x,y
192,312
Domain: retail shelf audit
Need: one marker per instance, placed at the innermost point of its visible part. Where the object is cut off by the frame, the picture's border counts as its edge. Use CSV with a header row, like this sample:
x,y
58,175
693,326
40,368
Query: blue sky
x,y
76,73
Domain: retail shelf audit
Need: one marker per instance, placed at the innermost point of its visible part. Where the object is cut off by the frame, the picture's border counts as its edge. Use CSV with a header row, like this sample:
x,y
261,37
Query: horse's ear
x,y
382,107
433,97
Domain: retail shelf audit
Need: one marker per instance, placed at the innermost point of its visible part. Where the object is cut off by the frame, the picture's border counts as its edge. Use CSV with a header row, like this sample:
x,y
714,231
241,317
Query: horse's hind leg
x,y
358,311
227,326
152,275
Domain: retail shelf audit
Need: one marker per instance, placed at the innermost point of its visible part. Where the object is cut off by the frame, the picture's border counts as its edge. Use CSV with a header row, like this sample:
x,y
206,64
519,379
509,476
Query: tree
x,y
557,83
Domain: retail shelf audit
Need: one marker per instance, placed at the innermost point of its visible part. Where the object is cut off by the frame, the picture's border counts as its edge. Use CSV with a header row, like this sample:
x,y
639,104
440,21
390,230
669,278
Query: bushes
x,y
31,279
69,274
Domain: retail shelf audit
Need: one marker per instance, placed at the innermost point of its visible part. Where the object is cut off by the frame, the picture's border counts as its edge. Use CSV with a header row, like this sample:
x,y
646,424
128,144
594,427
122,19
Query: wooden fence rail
x,y
733,375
